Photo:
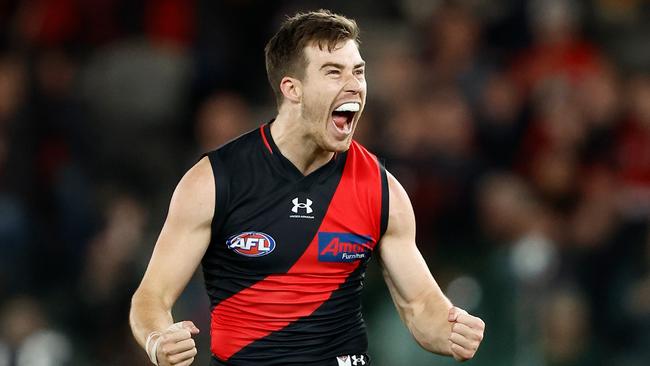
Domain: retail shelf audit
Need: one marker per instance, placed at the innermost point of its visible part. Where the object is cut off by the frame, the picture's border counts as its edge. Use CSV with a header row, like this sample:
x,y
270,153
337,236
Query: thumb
x,y
190,327
454,312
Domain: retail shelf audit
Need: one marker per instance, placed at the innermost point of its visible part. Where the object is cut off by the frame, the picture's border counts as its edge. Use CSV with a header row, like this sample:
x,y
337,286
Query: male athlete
x,y
284,220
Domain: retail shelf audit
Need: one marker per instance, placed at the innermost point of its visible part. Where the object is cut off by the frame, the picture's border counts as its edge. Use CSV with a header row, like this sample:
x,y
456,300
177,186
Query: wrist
x,y
151,346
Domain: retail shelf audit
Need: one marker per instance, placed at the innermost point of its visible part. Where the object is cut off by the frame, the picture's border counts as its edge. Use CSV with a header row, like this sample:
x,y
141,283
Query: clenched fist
x,y
174,346
466,334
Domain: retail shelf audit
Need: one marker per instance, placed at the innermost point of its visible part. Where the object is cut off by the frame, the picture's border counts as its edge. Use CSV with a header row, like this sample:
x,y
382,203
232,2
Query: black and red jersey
x,y
287,258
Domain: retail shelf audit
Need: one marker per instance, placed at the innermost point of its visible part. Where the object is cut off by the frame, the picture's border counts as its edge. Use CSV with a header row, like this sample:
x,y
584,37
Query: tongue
x,y
339,120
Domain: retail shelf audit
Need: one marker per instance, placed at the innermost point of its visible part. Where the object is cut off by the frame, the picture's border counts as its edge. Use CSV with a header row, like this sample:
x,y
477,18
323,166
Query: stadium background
x,y
521,130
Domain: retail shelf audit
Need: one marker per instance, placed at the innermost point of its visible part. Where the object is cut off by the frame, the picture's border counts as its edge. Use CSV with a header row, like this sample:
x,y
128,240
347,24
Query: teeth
x,y
348,107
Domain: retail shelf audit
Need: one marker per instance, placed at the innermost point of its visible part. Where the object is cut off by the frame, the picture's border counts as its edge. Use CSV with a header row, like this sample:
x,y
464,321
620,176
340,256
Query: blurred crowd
x,y
520,129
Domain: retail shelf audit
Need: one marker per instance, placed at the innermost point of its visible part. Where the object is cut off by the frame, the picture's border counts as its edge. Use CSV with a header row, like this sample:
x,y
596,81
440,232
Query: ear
x,y
291,89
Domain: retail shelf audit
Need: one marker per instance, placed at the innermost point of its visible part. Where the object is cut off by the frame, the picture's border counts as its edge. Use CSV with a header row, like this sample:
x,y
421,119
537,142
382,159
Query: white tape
x,y
154,348
152,353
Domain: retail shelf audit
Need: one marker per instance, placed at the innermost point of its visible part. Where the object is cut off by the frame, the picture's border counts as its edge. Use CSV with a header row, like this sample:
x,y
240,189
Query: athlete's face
x,y
334,94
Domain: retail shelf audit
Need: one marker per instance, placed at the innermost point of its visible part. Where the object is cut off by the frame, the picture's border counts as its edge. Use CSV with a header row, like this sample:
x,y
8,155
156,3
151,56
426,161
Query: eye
x,y
332,72
359,72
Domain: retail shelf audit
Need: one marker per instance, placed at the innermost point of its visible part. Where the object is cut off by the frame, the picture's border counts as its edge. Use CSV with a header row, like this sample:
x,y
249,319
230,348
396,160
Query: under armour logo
x,y
305,206
351,360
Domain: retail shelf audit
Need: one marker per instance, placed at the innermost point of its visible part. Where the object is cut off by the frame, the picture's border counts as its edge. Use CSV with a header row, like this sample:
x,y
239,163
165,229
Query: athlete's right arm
x,y
182,243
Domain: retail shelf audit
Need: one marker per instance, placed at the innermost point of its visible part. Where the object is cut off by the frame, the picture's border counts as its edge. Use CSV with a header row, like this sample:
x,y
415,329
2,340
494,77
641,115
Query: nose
x,y
353,84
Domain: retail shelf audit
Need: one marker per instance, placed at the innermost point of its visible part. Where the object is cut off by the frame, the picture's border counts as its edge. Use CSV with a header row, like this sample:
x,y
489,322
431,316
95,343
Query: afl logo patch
x,y
251,244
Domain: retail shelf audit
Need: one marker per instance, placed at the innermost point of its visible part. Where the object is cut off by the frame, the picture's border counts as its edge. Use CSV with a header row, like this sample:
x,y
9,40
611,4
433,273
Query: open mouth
x,y
343,116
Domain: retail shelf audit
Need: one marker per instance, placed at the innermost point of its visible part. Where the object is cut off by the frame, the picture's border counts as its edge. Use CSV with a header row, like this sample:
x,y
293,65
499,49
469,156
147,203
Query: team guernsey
x,y
287,258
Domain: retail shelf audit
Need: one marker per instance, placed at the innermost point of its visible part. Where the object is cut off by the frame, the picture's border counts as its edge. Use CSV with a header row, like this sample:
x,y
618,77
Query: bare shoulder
x,y
194,197
198,176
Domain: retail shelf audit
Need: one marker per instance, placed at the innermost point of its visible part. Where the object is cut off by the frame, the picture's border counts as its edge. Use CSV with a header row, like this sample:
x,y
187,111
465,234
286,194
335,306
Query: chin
x,y
340,146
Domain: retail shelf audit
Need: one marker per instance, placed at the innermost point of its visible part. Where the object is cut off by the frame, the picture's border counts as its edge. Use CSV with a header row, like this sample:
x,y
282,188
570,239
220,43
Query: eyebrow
x,y
340,66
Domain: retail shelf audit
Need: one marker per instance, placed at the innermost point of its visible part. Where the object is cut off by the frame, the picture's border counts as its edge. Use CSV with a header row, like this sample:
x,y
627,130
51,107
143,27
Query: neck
x,y
294,141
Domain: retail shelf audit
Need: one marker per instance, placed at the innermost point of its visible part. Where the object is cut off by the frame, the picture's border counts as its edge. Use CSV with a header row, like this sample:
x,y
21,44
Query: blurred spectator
x,y
14,177
14,250
109,279
598,96
447,124
621,28
520,267
500,122
26,339
405,127
396,65
600,103
12,86
624,299
50,23
432,154
620,12
558,50
507,208
137,94
453,37
170,22
566,331
549,155
634,150
222,117
636,305
594,219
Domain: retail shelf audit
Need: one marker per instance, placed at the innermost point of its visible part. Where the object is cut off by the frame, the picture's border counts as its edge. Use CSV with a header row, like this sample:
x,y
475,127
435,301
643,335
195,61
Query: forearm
x,y
148,314
435,324
427,321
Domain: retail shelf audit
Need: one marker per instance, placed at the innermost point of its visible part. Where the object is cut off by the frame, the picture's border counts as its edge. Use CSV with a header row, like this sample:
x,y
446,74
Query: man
x,y
284,220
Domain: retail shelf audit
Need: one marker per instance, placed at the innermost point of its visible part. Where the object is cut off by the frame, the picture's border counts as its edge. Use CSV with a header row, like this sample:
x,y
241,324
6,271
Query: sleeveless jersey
x,y
288,253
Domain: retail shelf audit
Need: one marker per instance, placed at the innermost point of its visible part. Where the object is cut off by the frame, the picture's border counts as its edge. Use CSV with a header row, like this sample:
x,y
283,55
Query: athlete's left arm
x,y
434,322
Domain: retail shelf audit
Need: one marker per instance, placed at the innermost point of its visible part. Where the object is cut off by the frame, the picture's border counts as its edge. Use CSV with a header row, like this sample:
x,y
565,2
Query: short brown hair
x,y
285,50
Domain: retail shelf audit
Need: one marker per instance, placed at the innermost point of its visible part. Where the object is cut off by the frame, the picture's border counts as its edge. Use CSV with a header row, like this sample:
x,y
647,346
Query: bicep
x,y
184,237
405,271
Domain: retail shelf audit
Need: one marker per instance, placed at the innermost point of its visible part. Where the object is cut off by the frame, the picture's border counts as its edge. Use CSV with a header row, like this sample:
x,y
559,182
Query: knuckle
x,y
194,352
165,349
462,352
480,336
